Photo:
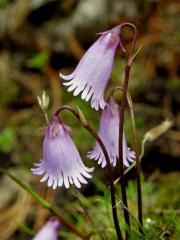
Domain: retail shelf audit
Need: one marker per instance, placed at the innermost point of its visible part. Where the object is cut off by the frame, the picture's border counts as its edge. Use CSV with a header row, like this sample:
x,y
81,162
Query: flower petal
x,y
68,77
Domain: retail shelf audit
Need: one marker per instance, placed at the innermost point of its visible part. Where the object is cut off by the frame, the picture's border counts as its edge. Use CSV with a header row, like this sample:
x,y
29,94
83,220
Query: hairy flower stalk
x,y
109,135
49,231
94,69
61,161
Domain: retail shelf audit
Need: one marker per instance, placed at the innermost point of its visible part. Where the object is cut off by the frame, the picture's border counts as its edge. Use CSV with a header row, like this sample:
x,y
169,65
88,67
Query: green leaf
x,y
7,139
25,229
38,61
26,159
4,2
173,84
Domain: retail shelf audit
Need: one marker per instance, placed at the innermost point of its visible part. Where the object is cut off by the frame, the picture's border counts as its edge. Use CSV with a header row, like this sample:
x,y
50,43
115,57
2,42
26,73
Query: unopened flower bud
x,y
43,101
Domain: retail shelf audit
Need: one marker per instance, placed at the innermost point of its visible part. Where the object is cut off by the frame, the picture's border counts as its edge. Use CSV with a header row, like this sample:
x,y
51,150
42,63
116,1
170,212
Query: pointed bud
x,y
43,101
82,117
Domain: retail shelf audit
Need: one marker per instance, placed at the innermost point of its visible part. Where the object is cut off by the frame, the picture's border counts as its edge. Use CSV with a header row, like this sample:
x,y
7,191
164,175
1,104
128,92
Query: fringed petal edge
x,y
77,178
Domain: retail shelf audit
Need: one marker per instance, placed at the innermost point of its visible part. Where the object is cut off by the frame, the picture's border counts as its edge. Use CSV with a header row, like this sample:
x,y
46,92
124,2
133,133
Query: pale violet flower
x,y
61,161
49,231
109,134
94,69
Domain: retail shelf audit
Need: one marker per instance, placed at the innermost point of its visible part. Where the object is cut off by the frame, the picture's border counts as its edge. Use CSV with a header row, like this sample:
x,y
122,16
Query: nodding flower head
x,y
49,231
94,69
108,133
61,161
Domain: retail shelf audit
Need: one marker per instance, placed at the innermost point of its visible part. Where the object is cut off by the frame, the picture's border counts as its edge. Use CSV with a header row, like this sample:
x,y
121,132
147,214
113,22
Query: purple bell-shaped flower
x,y
94,69
109,134
61,161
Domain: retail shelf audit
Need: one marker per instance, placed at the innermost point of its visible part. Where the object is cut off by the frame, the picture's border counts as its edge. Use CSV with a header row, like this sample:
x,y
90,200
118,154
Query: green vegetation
x,y
92,215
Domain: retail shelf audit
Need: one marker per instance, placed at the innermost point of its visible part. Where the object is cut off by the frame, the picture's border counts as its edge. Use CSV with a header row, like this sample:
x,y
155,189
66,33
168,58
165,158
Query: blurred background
x,y
39,39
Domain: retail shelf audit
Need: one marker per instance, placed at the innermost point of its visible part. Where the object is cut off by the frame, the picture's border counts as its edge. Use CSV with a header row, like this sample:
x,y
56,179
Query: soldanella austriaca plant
x,y
61,163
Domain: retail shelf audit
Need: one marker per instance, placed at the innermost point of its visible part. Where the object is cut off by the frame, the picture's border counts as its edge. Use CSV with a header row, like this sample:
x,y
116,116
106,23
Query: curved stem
x,y
130,56
113,92
109,169
121,122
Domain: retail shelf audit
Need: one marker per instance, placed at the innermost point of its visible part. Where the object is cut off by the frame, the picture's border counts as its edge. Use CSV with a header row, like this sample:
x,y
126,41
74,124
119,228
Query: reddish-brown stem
x,y
109,169
138,165
121,123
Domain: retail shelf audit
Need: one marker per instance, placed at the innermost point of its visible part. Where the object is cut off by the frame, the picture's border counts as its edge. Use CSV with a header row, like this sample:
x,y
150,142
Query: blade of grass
x,y
86,212
132,216
25,229
53,209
